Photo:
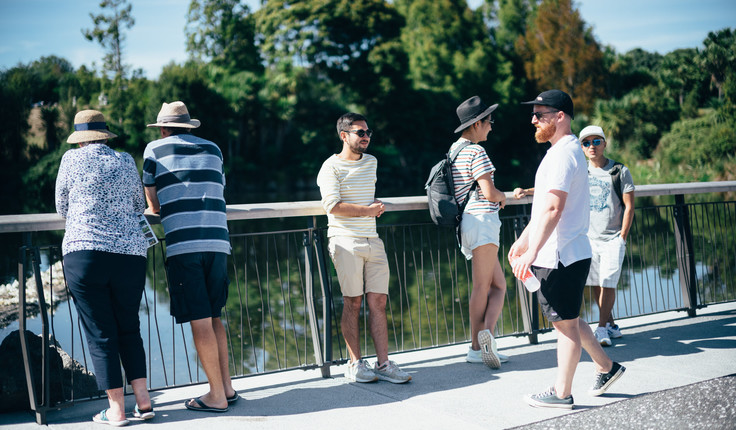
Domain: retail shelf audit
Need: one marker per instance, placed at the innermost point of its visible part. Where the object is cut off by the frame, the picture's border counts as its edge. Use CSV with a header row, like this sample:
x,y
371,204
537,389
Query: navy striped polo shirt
x,y
188,174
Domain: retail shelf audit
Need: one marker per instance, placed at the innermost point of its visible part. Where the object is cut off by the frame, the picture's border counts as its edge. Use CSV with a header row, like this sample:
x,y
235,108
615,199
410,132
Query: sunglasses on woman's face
x,y
595,142
362,133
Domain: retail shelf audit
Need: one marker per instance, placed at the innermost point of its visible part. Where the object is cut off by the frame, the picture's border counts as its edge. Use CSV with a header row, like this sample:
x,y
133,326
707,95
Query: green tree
x,y
719,59
447,45
15,88
699,149
512,17
637,120
560,51
340,38
680,74
632,70
109,32
223,31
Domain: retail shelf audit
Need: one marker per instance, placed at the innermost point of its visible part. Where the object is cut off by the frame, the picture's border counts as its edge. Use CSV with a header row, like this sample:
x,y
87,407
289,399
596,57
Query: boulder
x,y
67,375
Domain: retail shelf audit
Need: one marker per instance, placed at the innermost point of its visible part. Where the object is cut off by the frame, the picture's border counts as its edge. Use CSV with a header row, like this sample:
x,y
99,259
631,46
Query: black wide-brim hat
x,y
472,110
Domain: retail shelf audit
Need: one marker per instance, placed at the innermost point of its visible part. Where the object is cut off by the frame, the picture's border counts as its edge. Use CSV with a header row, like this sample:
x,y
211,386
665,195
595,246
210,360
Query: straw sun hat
x,y
89,126
175,114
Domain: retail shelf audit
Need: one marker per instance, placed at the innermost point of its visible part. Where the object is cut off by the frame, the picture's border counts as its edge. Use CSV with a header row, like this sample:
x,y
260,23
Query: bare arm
x,y
523,192
152,198
628,199
550,217
490,191
375,209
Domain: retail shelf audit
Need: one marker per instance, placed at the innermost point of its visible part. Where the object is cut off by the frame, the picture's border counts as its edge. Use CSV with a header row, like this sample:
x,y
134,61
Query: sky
x,y
30,29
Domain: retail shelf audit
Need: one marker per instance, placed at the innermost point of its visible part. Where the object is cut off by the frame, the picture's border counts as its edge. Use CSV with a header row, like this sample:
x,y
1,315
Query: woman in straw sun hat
x,y
100,194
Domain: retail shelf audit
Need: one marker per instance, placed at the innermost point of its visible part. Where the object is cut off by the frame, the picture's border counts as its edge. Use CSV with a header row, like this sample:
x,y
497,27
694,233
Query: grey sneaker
x,y
488,350
549,399
391,372
604,380
601,335
359,371
613,331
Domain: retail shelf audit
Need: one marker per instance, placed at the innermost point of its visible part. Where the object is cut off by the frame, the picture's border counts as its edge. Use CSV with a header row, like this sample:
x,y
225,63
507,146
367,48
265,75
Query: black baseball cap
x,y
556,99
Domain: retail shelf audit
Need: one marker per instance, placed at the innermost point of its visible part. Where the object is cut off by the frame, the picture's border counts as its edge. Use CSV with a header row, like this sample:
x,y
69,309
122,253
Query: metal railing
x,y
284,304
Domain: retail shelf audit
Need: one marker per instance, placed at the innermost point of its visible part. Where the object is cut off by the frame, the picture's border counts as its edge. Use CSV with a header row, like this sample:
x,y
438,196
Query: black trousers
x,y
107,290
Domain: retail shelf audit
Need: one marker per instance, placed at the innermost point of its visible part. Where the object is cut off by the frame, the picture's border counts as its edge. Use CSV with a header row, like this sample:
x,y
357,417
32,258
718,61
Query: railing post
x,y
311,309
685,255
326,300
527,301
40,406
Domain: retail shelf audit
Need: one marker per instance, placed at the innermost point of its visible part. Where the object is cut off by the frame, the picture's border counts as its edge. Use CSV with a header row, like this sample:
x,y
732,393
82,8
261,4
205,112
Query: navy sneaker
x,y
549,399
604,380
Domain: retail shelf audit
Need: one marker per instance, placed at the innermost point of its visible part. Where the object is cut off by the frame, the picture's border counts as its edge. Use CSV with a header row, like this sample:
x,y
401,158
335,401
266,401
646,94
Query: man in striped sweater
x,y
185,182
347,182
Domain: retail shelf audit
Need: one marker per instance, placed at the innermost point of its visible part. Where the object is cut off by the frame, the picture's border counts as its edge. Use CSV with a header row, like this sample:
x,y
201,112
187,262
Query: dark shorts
x,y
198,285
561,292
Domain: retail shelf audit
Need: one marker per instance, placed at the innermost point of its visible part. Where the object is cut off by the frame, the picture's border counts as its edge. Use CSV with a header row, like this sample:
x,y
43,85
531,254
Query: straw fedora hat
x,y
90,125
175,114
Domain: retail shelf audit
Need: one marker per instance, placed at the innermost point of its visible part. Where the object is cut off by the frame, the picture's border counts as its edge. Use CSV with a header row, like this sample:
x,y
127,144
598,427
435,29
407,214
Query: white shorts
x,y
361,264
478,230
605,267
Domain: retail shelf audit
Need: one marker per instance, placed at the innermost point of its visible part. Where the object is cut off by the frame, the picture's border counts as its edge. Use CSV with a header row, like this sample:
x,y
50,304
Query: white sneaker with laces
x,y
601,334
613,331
359,371
391,372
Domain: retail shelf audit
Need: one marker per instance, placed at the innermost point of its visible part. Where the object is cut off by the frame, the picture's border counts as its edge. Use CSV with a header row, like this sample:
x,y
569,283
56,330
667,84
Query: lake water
x,y
171,354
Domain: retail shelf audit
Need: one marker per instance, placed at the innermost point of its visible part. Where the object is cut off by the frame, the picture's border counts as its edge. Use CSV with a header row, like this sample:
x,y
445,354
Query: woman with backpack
x,y
480,227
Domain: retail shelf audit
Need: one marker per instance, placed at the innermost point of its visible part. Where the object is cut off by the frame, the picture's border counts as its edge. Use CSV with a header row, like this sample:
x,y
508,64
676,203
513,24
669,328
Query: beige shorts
x,y
361,265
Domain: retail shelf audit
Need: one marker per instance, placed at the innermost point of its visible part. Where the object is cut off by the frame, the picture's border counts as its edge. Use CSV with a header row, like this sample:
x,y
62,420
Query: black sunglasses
x,y
595,142
539,115
361,133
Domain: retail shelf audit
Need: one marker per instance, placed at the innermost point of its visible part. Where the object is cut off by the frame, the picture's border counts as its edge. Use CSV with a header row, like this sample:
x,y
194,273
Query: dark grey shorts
x,y
198,285
561,292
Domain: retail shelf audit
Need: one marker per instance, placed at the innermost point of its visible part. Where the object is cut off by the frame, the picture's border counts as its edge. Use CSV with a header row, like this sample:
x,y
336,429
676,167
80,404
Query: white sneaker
x,y
487,350
474,356
601,334
391,372
503,358
613,331
359,371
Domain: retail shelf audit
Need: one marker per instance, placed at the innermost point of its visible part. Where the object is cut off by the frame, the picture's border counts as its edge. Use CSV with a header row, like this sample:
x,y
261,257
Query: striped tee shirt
x,y
188,174
471,164
348,182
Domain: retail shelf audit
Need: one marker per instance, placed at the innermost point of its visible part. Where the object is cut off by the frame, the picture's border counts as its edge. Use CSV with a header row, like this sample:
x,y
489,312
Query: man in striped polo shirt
x,y
184,181
347,182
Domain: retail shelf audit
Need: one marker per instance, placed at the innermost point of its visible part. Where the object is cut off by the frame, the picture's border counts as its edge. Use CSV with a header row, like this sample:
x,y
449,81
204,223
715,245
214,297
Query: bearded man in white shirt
x,y
555,246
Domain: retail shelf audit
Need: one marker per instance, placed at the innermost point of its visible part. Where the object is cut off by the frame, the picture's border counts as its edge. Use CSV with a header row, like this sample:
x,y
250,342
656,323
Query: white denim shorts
x,y
361,265
479,229
605,267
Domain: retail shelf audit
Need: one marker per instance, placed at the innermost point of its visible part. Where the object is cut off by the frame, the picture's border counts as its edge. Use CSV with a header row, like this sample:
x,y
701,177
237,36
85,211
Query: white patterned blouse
x,y
100,194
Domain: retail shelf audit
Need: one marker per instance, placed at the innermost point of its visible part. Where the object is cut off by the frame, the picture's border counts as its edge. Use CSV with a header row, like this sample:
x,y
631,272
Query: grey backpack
x,y
444,208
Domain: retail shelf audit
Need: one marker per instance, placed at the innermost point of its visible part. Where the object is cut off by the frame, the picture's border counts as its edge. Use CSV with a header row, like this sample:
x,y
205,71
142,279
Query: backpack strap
x,y
616,181
452,156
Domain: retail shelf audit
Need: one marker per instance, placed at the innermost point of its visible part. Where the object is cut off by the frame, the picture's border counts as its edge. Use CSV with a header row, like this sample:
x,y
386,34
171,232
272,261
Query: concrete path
x,y
677,377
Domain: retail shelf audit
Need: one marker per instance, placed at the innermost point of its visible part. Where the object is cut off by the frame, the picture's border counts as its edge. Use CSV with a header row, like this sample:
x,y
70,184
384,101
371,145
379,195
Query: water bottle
x,y
529,280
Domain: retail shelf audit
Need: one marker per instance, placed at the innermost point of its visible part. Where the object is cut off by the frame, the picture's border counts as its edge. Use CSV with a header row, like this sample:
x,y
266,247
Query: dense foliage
x,y
269,84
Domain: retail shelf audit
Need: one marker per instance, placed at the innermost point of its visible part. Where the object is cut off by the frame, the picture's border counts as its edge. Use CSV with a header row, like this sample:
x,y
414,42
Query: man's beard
x,y
357,148
545,132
